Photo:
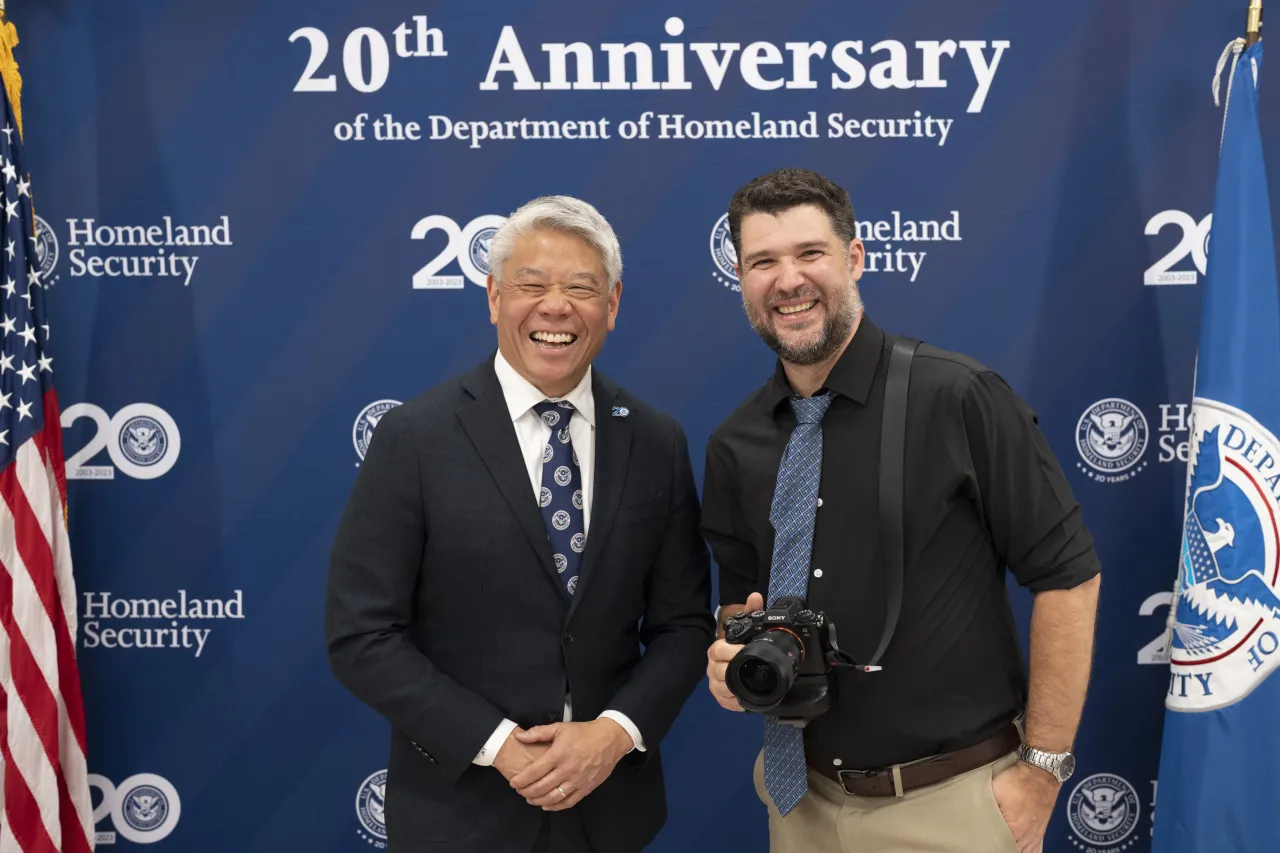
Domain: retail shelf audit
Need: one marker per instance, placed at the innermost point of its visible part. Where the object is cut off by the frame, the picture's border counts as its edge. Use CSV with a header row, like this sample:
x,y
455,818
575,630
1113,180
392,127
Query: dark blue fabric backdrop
x,y
235,264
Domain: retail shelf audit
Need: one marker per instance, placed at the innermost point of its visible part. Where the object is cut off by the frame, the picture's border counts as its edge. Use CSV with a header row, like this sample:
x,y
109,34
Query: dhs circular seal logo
x,y
478,249
367,422
143,440
1103,811
145,808
46,249
371,806
1111,437
724,254
1226,632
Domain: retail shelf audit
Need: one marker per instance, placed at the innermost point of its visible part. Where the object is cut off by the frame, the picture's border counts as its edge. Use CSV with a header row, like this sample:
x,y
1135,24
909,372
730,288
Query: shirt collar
x,y
521,394
850,376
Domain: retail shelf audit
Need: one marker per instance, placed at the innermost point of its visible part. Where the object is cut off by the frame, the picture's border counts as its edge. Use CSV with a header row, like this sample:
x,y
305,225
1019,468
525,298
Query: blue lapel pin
x,y
621,411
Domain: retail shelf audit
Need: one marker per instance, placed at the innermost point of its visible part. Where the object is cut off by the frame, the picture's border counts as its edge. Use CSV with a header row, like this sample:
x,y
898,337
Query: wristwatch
x,y
1060,765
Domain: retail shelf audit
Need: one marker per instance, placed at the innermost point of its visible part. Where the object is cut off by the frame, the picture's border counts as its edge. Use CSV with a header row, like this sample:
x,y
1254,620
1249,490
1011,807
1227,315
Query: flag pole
x,y
1252,30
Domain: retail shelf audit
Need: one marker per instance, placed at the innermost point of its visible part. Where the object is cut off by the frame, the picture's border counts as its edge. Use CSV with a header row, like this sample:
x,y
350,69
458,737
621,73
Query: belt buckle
x,y
842,775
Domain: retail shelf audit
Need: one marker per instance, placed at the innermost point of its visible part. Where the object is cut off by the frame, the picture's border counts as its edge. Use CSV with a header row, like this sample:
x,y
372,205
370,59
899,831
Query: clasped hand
x,y
556,766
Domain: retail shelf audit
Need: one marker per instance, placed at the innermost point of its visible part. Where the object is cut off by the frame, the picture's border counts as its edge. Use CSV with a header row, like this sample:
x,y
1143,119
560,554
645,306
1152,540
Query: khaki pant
x,y
956,816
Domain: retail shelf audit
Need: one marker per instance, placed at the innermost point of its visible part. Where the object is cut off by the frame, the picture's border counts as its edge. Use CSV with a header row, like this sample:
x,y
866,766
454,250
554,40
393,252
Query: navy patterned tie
x,y
561,495
795,505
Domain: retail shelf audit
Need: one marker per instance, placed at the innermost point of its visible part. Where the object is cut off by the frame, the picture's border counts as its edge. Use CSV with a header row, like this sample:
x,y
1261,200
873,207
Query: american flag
x,y
42,742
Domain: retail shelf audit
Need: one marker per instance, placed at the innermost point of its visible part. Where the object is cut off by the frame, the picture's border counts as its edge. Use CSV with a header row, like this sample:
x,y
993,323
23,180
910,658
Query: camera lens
x,y
758,677
761,674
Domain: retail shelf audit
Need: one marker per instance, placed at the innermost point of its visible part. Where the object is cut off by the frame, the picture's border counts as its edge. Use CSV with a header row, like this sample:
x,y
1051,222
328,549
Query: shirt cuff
x,y
489,751
630,727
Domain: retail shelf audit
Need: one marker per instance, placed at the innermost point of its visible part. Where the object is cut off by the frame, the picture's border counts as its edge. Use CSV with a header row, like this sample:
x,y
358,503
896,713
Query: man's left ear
x,y
855,258
494,293
615,295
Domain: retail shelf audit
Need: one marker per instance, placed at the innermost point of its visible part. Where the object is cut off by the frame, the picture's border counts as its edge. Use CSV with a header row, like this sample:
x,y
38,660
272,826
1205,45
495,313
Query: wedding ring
x,y
563,795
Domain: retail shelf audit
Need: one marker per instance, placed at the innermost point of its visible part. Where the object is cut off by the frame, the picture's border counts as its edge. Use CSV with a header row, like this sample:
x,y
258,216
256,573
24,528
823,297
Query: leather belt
x,y
931,770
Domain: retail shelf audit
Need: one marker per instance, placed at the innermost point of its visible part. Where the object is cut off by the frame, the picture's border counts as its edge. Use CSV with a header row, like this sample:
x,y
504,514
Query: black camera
x,y
783,669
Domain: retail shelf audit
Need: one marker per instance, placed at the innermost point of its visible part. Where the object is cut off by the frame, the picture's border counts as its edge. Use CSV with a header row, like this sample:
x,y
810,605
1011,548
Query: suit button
x,y
552,719
568,637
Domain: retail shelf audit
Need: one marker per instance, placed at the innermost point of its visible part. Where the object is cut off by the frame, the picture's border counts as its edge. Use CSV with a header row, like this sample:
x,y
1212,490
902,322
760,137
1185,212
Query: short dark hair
x,y
783,189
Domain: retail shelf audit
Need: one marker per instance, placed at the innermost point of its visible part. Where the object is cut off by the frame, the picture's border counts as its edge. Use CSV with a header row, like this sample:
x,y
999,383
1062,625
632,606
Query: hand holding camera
x,y
718,657
777,661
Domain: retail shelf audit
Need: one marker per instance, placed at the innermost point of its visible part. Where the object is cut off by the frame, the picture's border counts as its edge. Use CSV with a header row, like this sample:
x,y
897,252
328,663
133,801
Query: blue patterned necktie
x,y
795,506
561,494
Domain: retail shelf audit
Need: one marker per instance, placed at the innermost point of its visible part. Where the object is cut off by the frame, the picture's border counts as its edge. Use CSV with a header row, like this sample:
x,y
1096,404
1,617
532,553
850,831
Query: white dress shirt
x,y
533,434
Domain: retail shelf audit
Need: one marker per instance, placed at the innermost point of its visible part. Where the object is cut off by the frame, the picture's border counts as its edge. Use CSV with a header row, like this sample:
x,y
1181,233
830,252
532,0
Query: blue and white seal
x,y
1111,436
46,249
143,440
371,806
724,254
1103,812
367,422
1225,634
145,808
478,249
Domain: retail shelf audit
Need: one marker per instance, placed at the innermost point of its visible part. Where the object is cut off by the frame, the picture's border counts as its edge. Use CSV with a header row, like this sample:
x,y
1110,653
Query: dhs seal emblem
x,y
478,249
1111,437
46,250
367,422
1103,811
143,440
371,805
724,255
144,808
1225,630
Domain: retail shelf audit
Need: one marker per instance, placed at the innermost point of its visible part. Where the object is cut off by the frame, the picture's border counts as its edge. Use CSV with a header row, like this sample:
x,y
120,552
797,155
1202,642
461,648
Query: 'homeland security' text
x,y
101,606
131,264
678,127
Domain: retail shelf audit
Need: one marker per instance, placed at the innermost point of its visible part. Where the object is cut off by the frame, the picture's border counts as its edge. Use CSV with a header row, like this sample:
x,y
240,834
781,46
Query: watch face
x,y
1067,767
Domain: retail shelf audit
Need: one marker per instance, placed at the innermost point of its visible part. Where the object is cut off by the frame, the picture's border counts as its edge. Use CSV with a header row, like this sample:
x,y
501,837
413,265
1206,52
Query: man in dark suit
x,y
513,538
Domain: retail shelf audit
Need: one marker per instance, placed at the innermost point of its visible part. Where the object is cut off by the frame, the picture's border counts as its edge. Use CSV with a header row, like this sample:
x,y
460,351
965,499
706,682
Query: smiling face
x,y
799,283
553,308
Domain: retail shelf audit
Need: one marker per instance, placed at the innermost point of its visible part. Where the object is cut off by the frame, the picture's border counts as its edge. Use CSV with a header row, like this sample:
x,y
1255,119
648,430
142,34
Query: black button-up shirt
x,y
983,492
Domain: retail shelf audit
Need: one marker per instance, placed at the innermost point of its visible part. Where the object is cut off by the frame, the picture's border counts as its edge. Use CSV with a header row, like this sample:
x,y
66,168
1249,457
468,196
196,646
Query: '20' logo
x,y
1194,242
144,808
1157,651
142,440
469,245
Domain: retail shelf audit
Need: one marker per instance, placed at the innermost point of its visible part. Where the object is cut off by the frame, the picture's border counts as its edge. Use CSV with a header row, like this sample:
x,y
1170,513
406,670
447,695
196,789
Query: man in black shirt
x,y
948,746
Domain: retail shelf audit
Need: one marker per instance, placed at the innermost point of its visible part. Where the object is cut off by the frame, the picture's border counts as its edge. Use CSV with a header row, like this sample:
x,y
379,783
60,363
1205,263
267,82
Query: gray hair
x,y
559,213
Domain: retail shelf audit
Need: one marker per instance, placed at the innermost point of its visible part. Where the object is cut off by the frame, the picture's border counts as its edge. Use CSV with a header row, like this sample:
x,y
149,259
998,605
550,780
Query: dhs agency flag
x,y
1220,756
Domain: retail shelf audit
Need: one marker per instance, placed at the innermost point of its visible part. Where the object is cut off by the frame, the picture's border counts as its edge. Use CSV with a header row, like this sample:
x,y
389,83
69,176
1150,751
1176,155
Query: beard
x,y
840,319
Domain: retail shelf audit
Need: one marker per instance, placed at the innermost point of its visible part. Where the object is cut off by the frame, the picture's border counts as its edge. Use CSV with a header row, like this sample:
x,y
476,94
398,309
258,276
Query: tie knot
x,y
810,410
554,414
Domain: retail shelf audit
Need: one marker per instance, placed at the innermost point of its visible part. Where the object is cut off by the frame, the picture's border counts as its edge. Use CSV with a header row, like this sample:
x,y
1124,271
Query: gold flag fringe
x,y
9,68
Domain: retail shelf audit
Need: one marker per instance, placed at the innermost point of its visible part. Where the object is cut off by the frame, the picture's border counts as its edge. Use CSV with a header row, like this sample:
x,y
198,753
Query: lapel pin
x,y
621,411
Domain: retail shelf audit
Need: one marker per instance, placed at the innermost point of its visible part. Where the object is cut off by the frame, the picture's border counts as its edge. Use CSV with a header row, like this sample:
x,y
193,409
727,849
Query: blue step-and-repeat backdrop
x,y
267,222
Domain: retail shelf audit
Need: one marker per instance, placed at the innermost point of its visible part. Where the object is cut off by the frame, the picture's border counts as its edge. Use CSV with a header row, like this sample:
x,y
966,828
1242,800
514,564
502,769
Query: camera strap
x,y
893,449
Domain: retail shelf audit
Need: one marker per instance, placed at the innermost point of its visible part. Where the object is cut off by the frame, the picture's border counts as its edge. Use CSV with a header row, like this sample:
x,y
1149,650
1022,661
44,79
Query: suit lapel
x,y
613,450
488,425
